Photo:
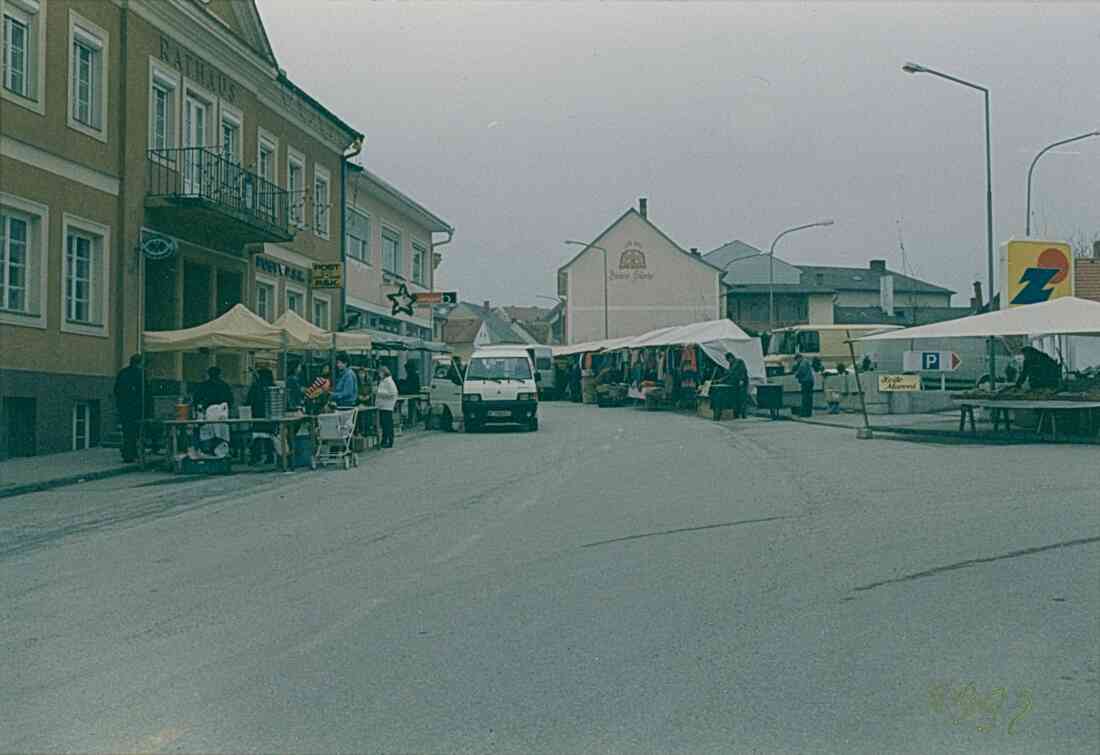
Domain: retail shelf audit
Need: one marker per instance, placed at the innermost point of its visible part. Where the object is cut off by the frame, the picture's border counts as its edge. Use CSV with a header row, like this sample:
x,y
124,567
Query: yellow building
x,y
159,170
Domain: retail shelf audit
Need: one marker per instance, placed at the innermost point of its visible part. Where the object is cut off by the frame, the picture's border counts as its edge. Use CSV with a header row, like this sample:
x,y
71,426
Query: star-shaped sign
x,y
402,301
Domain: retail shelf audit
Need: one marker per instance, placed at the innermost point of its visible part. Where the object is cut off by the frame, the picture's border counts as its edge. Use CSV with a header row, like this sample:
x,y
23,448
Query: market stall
x,y
1074,397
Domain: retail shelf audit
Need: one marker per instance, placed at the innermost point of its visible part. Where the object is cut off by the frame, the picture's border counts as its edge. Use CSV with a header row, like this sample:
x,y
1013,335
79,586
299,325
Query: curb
x,y
60,482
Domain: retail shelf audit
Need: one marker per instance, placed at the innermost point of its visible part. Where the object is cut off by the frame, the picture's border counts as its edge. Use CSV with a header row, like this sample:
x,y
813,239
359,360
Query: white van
x,y
542,357
500,387
446,393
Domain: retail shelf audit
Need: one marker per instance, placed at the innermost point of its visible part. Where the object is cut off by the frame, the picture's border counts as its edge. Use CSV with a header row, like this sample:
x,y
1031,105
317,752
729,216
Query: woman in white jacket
x,y
385,398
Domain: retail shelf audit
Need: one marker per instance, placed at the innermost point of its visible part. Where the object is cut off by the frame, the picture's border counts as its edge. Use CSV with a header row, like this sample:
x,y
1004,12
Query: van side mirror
x,y
538,377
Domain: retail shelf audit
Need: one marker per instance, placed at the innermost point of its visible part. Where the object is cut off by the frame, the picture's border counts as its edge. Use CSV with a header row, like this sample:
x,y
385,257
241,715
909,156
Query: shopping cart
x,y
334,436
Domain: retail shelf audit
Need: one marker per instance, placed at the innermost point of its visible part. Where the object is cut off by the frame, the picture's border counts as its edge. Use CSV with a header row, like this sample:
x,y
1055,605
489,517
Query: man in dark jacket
x,y
738,377
1039,371
213,390
130,403
804,374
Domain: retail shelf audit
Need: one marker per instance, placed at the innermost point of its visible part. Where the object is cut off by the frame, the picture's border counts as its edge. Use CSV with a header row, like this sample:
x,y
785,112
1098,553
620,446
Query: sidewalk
x,y
35,473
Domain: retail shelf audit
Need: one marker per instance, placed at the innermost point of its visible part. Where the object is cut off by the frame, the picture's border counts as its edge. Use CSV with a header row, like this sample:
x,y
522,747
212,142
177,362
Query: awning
x,y
304,334
239,329
384,341
1066,316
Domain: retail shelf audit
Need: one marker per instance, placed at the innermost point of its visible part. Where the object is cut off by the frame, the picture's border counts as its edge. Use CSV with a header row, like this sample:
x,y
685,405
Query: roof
x,y
697,257
865,279
779,288
528,314
353,134
461,331
731,251
903,315
399,200
466,319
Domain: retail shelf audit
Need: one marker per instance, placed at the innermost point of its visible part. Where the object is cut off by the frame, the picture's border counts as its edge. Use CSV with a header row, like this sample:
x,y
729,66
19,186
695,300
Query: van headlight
x,y
471,397
526,396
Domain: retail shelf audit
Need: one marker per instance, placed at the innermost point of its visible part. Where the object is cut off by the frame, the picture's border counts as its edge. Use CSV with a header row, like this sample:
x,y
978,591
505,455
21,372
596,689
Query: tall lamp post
x,y
1031,169
771,266
586,248
917,68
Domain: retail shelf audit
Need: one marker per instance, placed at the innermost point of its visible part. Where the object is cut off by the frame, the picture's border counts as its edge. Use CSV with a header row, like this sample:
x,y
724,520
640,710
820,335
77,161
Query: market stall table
x,y
1047,410
288,426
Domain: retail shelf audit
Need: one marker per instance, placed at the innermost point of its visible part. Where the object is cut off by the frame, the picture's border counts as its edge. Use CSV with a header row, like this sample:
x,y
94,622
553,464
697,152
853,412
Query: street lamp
x,y
586,248
771,266
1043,151
917,68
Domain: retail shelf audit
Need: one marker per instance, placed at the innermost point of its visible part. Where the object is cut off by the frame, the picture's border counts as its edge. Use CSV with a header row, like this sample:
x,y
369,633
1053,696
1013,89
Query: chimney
x,y
695,251
486,304
819,278
978,296
643,207
879,266
1096,249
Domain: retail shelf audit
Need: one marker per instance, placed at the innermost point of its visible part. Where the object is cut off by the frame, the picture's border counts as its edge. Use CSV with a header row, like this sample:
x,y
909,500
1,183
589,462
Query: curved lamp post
x,y
1031,169
917,68
586,248
771,266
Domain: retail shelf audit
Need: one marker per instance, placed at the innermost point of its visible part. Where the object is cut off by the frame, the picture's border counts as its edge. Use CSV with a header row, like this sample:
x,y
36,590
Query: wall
x,y
1087,278
672,289
821,309
901,299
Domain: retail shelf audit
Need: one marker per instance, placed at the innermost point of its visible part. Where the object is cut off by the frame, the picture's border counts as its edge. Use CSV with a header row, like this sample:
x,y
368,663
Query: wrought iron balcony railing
x,y
199,177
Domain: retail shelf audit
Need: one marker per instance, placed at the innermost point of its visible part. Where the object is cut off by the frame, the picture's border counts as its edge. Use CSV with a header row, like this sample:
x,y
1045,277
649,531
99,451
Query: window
x,y
16,42
295,301
84,293
163,97
14,238
418,264
391,251
231,140
265,300
809,342
265,166
266,156
87,77
358,228
320,312
320,201
295,187
23,226
22,64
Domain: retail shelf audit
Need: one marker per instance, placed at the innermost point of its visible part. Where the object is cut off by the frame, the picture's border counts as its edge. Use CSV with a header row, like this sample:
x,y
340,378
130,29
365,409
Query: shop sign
x,y
156,246
632,264
280,269
898,383
328,275
436,297
1036,271
196,69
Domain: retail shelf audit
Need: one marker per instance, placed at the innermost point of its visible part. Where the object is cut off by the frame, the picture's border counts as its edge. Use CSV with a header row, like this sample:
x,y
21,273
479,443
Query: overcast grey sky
x,y
524,124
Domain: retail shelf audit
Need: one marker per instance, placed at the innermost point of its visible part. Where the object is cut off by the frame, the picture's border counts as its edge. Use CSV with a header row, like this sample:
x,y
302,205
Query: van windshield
x,y
499,368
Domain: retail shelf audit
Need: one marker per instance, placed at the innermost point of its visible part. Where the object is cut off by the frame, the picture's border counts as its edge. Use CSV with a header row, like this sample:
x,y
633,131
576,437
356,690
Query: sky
x,y
524,124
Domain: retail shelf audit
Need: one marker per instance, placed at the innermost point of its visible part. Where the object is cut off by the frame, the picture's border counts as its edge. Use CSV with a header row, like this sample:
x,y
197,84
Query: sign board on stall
x,y
1036,271
327,275
898,383
436,297
930,361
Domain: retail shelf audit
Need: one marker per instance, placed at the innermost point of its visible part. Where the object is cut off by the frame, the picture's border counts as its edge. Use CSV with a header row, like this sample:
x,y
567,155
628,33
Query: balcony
x,y
202,196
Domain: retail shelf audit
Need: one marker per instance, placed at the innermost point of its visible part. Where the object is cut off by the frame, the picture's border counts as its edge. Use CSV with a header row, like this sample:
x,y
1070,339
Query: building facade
x,y
390,241
162,171
645,282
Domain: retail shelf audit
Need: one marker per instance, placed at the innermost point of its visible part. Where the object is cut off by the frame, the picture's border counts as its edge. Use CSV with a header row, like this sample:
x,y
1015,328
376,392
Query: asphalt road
x,y
620,581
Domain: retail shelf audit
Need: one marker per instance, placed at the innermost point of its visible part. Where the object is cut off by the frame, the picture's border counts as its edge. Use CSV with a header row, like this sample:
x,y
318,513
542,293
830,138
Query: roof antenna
x,y
905,270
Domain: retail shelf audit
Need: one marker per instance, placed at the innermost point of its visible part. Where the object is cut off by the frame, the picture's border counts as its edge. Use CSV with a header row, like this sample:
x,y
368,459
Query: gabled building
x,y
633,279
469,326
157,167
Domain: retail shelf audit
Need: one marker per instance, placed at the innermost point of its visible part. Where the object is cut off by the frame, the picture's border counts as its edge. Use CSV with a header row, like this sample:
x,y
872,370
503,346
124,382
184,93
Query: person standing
x,y
804,374
345,393
739,379
385,399
295,391
263,439
1039,371
213,391
130,405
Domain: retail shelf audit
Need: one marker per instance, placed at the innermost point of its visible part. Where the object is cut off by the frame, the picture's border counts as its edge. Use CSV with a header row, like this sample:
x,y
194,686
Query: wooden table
x,y
1046,409
287,426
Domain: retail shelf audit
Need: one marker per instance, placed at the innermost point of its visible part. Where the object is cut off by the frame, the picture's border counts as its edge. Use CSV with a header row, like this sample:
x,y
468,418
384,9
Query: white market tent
x,y
239,329
300,331
1066,316
714,337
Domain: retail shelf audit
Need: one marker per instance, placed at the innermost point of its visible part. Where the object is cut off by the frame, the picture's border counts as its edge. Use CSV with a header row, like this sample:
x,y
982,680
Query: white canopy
x,y
303,334
609,344
238,329
1066,316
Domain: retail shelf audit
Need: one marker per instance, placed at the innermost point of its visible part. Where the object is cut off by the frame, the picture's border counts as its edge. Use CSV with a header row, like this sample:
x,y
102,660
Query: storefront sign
x,y
280,269
898,383
328,275
632,264
1036,271
436,297
197,69
156,246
